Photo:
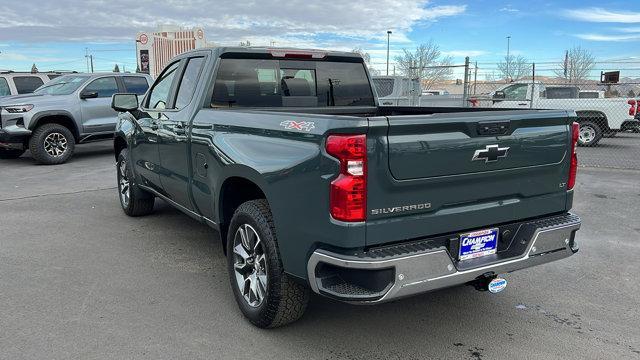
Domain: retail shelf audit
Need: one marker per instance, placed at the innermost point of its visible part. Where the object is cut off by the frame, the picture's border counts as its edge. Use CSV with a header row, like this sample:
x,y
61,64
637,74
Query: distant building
x,y
154,49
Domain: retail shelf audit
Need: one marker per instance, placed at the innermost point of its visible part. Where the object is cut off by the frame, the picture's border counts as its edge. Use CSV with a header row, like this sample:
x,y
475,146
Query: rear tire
x,y
266,295
11,153
52,144
590,133
134,201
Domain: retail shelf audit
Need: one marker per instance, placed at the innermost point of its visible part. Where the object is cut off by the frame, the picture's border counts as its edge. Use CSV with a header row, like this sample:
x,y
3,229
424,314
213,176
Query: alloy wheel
x,y
124,186
55,144
250,265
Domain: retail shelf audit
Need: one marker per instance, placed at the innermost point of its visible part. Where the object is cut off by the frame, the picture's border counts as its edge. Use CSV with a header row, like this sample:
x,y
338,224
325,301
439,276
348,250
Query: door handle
x,y
179,129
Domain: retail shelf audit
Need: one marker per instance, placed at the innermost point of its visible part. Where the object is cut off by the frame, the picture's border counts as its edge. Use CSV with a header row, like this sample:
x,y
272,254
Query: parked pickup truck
x,y
597,116
313,187
70,109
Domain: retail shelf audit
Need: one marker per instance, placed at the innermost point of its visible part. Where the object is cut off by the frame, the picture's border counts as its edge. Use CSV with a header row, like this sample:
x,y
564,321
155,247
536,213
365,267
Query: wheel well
x,y
596,117
59,119
118,144
234,192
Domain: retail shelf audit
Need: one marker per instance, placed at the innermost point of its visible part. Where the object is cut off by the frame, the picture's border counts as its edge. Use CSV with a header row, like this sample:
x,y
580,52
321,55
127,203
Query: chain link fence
x,y
608,113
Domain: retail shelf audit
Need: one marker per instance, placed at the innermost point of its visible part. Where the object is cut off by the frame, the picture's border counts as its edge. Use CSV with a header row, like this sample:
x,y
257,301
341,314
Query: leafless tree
x,y
425,63
367,60
514,68
577,65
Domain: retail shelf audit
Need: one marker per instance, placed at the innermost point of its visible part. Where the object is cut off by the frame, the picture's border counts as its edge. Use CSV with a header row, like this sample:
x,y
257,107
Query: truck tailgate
x,y
434,173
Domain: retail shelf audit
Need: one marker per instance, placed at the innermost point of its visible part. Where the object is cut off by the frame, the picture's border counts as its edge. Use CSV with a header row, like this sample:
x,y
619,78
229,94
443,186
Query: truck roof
x,y
276,52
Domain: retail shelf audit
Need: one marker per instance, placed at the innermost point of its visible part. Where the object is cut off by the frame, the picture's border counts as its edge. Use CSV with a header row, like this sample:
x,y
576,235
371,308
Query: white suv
x,y
15,83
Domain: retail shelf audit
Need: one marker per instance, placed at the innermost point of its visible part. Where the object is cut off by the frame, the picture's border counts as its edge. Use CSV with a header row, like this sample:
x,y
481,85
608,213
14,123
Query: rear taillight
x,y
634,107
573,170
348,193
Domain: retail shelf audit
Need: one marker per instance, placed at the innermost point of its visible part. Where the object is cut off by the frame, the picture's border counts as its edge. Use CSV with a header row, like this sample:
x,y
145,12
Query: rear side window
x,y
135,84
26,84
105,87
290,83
4,87
188,82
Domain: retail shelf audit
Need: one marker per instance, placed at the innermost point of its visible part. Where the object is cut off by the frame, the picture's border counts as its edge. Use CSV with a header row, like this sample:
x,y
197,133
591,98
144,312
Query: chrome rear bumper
x,y
420,271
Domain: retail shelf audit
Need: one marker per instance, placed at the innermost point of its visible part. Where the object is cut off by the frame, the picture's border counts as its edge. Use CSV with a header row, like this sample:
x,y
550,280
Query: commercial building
x,y
154,49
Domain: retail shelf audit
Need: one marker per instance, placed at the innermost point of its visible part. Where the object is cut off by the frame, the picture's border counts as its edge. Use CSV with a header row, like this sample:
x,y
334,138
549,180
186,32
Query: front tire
x,y
134,201
11,153
590,133
52,144
266,295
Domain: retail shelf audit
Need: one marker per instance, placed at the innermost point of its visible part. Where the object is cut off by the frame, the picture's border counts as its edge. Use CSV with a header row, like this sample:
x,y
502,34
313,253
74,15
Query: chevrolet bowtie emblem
x,y
490,153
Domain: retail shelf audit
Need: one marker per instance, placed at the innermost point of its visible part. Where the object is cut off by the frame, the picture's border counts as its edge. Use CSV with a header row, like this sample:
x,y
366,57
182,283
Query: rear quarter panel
x,y
289,165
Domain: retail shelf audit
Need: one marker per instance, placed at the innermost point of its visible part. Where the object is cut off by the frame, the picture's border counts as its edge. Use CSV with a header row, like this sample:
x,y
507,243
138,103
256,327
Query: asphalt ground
x,y
619,152
80,280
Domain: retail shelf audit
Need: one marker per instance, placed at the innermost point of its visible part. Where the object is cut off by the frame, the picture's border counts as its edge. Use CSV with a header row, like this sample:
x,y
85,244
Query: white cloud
x,y
607,37
600,15
294,22
15,56
510,9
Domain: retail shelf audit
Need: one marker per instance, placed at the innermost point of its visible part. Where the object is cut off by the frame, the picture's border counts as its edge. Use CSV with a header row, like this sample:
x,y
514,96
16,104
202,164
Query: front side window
x,y
105,87
4,87
188,82
27,84
159,96
288,83
135,84
516,92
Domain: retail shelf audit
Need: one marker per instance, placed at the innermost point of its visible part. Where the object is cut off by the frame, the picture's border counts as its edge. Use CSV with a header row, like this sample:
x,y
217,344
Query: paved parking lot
x,y
80,280
619,152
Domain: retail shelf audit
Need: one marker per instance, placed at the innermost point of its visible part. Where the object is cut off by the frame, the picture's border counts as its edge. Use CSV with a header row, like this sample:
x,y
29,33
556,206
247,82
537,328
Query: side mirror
x,y
124,102
88,95
499,95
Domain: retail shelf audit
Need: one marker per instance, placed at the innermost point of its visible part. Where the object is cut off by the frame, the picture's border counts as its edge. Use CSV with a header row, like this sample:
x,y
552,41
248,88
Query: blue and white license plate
x,y
478,243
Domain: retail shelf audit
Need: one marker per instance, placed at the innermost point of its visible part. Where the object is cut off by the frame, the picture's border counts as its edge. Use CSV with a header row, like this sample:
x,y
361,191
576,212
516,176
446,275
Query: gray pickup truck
x,y
314,187
71,109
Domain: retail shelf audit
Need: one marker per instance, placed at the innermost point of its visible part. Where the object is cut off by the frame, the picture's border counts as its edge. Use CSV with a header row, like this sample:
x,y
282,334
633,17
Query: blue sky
x,y
56,39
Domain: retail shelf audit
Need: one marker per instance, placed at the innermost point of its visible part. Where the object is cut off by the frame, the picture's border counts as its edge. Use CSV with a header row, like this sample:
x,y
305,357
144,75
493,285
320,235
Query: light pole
x,y
508,59
388,35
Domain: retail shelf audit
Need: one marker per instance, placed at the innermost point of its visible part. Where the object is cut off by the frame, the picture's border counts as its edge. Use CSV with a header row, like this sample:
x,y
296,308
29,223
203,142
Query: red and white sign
x,y
144,39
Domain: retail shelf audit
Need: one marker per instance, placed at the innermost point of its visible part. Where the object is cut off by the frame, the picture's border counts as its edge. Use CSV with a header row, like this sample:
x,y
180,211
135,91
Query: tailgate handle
x,y
493,128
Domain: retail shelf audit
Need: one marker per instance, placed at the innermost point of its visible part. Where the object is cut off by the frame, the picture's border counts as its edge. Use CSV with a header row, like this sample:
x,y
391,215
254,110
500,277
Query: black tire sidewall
x,y
256,315
36,144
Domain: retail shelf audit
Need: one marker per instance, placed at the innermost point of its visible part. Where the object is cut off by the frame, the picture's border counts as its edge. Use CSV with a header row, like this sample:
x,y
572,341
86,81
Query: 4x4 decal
x,y
298,125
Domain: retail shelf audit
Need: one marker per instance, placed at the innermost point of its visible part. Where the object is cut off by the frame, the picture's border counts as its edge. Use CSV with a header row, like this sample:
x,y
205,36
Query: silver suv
x,y
69,110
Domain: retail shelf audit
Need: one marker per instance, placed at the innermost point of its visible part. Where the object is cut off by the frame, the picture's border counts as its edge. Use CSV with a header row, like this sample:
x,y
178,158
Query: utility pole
x,y
388,36
508,58
475,77
465,91
86,57
89,59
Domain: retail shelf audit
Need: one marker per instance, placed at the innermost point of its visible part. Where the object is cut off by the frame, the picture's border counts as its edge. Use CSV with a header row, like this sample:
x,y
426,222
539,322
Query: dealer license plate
x,y
478,243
